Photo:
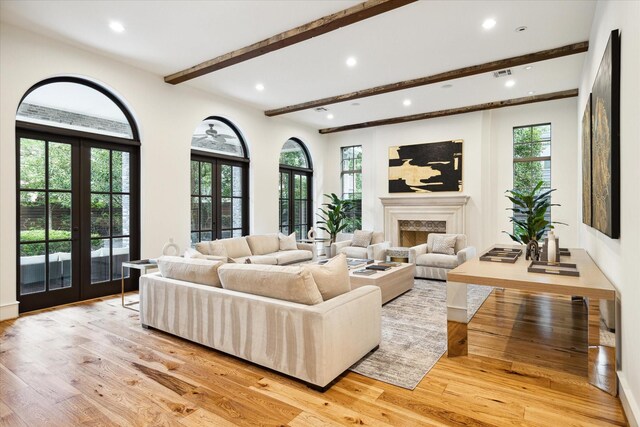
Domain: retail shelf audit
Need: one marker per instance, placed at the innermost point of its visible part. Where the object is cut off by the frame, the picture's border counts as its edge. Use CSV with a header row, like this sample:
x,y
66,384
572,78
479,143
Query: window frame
x,y
356,213
292,171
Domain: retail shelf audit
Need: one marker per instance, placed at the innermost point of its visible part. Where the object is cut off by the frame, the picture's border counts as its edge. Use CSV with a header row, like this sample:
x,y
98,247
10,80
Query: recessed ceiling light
x,y
489,23
510,83
447,86
531,92
330,116
260,87
116,27
528,67
351,62
521,29
406,102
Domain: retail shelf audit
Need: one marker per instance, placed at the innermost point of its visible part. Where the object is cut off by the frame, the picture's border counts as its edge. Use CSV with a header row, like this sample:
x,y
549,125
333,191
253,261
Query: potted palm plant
x,y
333,217
529,222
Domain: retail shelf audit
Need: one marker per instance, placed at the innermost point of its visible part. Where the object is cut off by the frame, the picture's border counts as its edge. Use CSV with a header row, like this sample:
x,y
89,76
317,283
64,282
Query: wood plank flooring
x,y
92,364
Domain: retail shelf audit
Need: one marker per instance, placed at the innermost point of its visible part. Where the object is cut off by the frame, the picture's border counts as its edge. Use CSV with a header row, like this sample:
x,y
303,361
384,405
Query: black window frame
x,y
292,172
356,213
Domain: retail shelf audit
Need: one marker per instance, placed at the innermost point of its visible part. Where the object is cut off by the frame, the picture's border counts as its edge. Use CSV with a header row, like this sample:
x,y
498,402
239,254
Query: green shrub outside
x,y
38,235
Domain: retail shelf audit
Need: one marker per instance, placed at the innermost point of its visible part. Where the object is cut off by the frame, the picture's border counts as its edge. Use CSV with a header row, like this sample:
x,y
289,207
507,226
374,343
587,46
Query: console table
x,y
591,284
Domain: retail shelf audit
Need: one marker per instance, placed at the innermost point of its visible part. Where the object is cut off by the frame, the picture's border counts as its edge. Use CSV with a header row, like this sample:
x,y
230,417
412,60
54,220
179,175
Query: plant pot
x,y
327,251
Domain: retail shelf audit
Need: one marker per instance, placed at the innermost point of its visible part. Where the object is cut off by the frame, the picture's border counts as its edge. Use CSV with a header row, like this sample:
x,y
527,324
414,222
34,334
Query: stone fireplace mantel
x,y
448,208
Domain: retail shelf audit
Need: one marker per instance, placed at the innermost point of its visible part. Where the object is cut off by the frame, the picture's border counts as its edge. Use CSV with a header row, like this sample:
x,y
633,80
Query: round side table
x,y
398,254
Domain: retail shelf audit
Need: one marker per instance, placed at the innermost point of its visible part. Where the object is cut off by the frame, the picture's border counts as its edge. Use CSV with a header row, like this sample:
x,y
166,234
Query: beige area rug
x,y
414,333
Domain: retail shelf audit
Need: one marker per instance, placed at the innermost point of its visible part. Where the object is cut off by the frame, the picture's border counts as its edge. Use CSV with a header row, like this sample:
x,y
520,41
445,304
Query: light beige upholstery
x,y
259,248
202,271
313,343
286,283
331,278
376,250
436,266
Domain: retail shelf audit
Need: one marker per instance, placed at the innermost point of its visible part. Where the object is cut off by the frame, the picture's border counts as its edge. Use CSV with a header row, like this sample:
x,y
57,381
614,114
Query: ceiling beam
x,y
453,111
501,64
326,24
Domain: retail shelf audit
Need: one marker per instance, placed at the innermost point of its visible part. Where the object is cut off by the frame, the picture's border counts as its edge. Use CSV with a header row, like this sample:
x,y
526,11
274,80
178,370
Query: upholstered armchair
x,y
363,244
432,260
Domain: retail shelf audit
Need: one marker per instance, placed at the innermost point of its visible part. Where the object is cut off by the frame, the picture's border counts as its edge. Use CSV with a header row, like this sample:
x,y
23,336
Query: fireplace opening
x,y
415,232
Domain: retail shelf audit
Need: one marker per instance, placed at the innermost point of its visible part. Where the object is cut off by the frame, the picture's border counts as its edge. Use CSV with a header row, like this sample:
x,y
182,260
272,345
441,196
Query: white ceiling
x,y
416,40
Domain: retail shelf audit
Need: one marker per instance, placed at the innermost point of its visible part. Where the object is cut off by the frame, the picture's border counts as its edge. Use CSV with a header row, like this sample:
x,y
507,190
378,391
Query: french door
x,y
295,201
78,217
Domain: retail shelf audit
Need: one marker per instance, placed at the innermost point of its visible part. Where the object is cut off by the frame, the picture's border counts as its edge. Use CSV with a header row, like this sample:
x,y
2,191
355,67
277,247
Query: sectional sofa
x,y
303,321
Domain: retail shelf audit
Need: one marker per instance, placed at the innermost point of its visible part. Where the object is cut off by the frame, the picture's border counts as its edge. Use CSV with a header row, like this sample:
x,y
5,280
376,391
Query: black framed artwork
x,y
605,153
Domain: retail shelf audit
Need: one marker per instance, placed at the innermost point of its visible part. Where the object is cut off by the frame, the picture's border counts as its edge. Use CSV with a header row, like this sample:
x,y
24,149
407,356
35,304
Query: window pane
x,y
226,213
205,213
206,237
194,239
32,163
32,216
59,166
59,265
100,260
237,233
226,234
205,179
59,216
237,213
216,136
357,152
120,255
195,177
120,215
296,186
225,172
100,175
195,213
292,154
32,268
303,186
100,216
284,212
237,181
284,186
120,170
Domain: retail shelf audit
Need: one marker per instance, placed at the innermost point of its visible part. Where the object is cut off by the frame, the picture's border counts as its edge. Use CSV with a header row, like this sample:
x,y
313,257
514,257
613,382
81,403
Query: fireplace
x,y
422,215
415,232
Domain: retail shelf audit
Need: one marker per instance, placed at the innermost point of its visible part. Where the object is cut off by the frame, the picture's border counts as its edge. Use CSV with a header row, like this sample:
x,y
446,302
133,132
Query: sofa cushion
x,y
288,243
262,259
461,241
215,248
353,252
290,257
285,283
437,260
444,245
236,247
202,271
261,244
331,278
377,237
192,253
361,238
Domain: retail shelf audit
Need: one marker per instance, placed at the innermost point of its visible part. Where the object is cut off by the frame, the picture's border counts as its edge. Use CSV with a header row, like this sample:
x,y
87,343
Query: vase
x,y
552,248
533,250
170,248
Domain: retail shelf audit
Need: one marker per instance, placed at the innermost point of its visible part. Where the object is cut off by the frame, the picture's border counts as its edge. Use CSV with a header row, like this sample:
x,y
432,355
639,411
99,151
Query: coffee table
x,y
392,283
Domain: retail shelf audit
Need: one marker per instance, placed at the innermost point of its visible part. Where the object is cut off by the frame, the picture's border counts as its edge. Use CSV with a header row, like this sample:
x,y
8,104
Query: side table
x,y
398,254
315,241
144,265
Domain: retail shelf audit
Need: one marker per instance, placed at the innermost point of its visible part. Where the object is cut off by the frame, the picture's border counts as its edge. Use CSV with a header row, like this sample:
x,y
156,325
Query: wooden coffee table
x,y
393,282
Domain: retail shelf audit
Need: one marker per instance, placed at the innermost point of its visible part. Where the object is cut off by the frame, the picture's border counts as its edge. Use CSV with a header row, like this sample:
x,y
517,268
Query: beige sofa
x,y
431,265
312,342
377,249
258,249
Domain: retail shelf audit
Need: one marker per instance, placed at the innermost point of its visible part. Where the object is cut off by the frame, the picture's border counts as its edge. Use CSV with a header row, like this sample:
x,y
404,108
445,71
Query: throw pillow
x,y
284,283
192,253
288,243
361,238
332,277
444,245
217,248
200,271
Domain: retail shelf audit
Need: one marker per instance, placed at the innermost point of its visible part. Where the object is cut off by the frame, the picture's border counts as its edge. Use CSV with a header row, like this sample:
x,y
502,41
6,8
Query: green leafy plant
x,y
529,209
334,215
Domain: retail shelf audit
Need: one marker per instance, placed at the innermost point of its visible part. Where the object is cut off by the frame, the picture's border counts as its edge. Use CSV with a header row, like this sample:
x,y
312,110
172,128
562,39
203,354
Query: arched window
x,y
77,192
219,181
296,188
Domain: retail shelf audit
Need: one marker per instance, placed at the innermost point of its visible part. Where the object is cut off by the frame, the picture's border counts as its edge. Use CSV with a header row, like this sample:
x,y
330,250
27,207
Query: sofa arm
x,y
378,251
466,254
311,247
335,247
415,251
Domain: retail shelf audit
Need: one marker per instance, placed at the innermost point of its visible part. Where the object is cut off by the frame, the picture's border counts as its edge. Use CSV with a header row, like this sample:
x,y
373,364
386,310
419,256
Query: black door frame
x,y
292,171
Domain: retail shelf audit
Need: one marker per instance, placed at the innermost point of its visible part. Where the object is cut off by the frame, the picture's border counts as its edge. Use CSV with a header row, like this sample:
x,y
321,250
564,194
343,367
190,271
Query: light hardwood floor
x,y
92,364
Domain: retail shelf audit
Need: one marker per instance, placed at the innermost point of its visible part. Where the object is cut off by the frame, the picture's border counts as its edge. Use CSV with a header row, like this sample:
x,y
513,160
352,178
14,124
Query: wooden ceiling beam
x,y
453,111
501,64
326,24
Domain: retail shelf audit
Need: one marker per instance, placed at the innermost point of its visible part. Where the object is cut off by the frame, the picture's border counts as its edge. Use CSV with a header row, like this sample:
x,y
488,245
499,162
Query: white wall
x,y
619,258
487,164
167,116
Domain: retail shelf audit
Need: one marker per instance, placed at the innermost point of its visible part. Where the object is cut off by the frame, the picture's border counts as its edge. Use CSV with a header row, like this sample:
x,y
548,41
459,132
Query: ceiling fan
x,y
218,137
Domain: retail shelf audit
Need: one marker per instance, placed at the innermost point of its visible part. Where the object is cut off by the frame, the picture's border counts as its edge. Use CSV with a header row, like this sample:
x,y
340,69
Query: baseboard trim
x,y
9,311
629,403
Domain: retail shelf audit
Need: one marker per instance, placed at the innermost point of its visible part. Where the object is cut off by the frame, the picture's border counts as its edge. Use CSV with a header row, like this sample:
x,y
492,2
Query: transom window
x,y
351,177
296,201
219,182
